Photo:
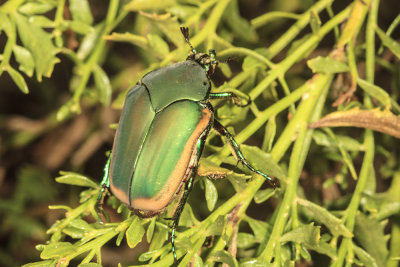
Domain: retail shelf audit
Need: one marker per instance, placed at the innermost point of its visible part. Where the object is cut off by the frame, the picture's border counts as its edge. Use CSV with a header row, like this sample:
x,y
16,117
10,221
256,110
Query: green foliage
x,y
328,201
18,219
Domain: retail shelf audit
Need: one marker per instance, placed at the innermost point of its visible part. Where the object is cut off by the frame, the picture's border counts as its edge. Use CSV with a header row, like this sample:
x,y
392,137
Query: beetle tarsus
x,y
176,263
173,229
237,100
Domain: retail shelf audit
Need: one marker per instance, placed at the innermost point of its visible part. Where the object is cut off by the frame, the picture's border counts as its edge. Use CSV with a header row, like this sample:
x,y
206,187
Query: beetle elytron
x,y
161,134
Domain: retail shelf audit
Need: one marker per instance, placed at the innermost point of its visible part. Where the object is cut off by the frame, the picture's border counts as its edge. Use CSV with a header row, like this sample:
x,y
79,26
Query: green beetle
x,y
161,134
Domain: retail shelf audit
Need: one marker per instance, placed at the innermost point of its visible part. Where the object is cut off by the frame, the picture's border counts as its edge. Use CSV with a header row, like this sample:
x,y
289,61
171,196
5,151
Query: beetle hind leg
x,y
178,211
188,188
105,184
237,153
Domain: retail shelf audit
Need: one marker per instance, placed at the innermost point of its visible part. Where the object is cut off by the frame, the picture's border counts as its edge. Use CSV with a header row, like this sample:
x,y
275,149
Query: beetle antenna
x,y
185,33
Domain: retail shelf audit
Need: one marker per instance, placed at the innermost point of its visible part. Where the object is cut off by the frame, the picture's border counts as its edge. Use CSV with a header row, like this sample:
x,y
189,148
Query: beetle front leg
x,y
105,184
236,99
237,153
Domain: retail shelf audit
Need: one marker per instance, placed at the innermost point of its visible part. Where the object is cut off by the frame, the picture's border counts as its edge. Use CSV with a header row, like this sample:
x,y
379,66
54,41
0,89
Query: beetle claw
x,y
237,100
176,262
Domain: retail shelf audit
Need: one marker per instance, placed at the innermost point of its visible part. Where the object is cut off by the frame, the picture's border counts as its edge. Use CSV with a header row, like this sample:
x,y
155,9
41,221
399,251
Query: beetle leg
x,y
237,100
178,212
188,188
105,184
237,153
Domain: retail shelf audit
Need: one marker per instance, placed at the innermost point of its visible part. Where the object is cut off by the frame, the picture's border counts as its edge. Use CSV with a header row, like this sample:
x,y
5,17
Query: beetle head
x,y
208,61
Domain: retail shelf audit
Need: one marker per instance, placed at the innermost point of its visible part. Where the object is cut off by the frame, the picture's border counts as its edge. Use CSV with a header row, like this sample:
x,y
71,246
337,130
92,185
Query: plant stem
x,y
293,31
303,49
236,51
97,52
351,211
207,32
395,234
306,110
370,41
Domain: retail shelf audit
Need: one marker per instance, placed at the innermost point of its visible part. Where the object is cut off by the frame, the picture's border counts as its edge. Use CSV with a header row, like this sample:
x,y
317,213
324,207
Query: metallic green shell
x,y
184,80
136,118
169,150
155,144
